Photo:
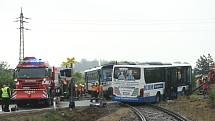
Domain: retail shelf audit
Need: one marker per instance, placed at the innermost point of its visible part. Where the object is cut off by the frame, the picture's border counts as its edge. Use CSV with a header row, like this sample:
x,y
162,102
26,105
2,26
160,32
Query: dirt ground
x,y
194,108
108,113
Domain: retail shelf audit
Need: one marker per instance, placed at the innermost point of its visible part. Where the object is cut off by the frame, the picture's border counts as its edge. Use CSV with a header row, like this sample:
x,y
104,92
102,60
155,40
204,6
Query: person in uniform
x,y
5,95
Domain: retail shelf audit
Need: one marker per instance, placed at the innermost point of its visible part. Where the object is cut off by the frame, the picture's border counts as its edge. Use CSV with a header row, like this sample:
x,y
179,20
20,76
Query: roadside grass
x,y
49,116
193,107
78,114
211,97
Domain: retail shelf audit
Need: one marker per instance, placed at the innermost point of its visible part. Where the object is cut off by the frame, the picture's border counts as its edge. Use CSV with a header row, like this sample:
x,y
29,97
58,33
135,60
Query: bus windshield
x,y
33,72
126,73
107,74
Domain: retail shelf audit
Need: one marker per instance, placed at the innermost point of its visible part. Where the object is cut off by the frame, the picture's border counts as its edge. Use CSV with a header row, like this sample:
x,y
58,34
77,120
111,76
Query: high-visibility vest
x,y
82,88
5,94
94,88
79,88
76,87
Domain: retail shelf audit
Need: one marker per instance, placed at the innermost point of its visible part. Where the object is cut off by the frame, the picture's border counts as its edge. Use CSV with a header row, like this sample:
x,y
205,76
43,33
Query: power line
x,y
134,21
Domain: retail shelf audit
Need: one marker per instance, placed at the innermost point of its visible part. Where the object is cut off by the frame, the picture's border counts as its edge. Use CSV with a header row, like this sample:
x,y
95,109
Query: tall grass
x,y
211,96
49,116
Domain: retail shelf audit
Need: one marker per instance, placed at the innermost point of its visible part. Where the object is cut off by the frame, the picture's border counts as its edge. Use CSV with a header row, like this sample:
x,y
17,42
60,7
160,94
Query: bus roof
x,y
100,67
154,66
93,69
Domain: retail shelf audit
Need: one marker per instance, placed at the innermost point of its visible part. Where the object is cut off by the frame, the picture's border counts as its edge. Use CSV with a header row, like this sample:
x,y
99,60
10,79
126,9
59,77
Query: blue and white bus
x,y
150,82
101,75
92,76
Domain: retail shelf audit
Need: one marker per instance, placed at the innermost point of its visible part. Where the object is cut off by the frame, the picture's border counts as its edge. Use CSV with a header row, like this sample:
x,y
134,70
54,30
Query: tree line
x,y
6,74
203,65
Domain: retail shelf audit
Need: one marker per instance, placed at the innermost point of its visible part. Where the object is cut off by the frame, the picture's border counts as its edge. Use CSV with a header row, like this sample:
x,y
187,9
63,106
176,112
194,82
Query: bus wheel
x,y
157,98
110,92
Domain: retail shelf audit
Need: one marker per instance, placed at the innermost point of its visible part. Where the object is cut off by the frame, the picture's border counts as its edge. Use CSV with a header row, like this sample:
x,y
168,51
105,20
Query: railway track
x,y
171,113
155,113
138,113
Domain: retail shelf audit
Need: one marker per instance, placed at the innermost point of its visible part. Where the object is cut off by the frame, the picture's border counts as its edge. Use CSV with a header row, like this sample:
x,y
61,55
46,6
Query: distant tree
x,y
85,64
6,74
69,62
204,64
79,78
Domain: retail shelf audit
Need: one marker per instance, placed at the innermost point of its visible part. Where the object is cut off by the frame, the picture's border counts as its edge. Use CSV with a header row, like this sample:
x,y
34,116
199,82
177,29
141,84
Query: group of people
x,y
79,90
128,77
97,92
5,95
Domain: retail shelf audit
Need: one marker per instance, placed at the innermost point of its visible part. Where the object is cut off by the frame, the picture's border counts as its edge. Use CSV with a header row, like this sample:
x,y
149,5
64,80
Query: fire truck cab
x,y
35,83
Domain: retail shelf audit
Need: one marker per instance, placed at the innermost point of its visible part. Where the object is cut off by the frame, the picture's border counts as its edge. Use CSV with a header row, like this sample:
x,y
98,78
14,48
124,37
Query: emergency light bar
x,y
32,60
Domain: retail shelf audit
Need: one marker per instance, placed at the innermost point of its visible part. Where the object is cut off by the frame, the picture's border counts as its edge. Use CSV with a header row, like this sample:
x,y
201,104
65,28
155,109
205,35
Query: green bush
x,y
193,97
6,75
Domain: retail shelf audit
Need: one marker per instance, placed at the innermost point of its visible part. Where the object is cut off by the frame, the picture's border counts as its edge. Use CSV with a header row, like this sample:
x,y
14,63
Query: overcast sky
x,y
132,30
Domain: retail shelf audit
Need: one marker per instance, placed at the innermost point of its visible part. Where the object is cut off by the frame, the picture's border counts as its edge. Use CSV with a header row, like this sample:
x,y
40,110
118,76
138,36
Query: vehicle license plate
x,y
126,93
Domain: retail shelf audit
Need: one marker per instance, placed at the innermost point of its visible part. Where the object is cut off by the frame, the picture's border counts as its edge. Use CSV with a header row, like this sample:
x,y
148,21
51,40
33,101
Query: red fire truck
x,y
35,82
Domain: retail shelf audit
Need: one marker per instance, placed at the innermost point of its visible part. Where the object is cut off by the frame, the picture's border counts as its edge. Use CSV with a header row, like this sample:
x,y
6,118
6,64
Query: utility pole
x,y
72,90
21,19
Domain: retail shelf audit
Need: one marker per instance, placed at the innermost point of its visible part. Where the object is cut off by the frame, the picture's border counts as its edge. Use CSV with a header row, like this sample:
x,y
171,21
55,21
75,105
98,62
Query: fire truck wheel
x,y
20,105
48,102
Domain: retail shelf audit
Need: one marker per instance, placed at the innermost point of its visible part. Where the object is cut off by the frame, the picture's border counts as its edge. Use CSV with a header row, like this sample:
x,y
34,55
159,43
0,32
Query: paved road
x,y
62,104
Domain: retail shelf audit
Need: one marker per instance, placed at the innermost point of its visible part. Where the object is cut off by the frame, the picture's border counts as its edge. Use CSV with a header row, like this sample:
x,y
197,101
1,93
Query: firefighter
x,y
76,90
84,89
80,90
205,87
100,90
94,93
5,95
200,83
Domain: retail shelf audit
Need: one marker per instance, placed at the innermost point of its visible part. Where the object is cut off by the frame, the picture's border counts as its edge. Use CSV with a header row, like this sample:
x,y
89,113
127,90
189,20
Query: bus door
x,y
168,82
173,84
